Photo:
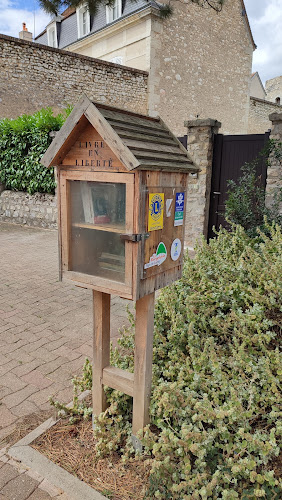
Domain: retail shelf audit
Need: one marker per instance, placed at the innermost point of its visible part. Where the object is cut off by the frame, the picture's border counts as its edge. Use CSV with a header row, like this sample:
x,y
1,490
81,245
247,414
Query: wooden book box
x,y
121,183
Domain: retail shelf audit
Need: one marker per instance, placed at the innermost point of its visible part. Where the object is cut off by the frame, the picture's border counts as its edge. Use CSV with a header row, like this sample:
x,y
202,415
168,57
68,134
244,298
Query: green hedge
x,y
23,141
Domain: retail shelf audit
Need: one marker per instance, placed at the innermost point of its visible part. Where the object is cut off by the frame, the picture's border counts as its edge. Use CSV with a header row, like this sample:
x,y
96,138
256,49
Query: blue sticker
x,y
179,209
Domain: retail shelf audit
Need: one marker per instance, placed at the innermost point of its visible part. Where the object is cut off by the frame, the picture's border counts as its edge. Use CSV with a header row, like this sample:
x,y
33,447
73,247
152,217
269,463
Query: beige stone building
x,y
257,89
199,61
273,89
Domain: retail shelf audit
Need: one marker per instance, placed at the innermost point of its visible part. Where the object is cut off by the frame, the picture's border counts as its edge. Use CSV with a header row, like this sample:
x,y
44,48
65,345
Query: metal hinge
x,y
134,237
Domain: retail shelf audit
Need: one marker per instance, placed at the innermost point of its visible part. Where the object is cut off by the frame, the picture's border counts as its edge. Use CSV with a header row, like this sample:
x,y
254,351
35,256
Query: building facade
x,y
199,61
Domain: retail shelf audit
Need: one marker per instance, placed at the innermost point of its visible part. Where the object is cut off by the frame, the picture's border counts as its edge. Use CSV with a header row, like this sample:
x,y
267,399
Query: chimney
x,y
25,34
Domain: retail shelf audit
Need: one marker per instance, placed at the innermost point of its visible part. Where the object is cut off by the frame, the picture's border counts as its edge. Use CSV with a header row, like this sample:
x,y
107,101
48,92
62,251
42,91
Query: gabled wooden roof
x,y
140,142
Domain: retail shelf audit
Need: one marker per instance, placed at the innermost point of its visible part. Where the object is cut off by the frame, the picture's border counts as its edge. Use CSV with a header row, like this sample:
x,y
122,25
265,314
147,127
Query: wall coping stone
x,y
202,122
275,117
264,101
73,54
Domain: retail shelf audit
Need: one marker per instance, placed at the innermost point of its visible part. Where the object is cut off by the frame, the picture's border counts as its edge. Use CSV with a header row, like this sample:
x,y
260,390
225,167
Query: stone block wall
x,y
33,210
273,88
259,112
201,66
34,76
200,146
274,171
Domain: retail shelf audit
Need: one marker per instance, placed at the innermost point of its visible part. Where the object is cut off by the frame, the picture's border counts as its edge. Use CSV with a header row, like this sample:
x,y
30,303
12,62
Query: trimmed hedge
x,y
23,141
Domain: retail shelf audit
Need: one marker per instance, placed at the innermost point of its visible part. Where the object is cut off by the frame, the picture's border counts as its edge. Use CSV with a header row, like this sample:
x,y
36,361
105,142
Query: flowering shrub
x,y
215,399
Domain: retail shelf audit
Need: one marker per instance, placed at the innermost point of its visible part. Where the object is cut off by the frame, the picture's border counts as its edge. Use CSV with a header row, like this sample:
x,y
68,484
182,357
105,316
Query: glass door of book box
x,y
100,211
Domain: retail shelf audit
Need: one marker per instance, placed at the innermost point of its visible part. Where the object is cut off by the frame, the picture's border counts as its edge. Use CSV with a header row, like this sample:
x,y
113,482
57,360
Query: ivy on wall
x,y
23,141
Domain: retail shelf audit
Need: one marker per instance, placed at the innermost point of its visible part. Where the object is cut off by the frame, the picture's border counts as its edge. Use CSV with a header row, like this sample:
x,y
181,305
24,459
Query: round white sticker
x,y
175,250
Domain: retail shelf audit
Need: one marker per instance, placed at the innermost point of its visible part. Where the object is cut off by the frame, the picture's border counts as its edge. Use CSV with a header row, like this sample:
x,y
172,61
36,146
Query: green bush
x,y
245,204
23,141
216,371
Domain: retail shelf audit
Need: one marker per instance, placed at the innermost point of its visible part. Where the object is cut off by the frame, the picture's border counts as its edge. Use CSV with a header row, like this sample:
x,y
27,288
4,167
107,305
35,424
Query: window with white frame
x,y
52,36
83,21
113,12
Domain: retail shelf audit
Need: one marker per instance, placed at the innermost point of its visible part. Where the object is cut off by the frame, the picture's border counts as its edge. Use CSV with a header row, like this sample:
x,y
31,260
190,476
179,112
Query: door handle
x,y
216,192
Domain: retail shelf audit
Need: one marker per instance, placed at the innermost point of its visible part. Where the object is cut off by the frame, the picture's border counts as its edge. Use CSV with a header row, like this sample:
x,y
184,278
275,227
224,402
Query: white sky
x,y
265,18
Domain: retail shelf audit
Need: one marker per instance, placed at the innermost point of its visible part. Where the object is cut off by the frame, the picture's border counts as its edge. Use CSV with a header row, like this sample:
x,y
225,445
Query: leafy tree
x,y
57,6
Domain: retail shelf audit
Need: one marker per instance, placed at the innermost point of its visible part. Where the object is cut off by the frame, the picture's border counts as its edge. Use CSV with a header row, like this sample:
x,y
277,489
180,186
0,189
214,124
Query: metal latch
x,y
135,237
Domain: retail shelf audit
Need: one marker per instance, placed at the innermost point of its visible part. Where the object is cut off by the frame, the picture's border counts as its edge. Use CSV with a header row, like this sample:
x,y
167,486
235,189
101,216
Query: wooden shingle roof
x,y
139,141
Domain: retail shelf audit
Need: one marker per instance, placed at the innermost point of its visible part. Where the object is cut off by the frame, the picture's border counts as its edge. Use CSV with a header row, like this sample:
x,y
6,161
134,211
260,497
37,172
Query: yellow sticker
x,y
156,211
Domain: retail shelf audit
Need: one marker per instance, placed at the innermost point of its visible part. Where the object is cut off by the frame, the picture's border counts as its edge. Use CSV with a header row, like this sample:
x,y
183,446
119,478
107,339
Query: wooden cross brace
x,y
137,385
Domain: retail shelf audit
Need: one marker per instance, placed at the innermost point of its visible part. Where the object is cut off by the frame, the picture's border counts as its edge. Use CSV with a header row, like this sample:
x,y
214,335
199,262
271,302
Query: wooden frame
x,y
104,145
96,282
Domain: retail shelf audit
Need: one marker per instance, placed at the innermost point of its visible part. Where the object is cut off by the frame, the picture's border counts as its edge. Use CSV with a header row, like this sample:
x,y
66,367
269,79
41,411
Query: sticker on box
x,y
175,250
179,209
156,211
157,258
168,204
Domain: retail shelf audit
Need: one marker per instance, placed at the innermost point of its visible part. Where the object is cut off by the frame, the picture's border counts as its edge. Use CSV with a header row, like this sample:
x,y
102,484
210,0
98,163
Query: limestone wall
x,y
273,88
33,210
274,171
259,112
200,137
33,76
201,66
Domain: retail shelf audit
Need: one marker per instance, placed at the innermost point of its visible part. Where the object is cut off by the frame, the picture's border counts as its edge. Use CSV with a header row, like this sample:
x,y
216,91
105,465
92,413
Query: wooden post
x,y
101,348
143,356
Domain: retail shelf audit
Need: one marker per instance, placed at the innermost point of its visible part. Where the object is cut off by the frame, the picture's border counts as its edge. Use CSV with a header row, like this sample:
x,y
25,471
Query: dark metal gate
x,y
231,152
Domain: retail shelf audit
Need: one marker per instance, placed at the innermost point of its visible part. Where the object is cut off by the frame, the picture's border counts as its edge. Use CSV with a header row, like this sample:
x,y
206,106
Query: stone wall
x,y
201,66
200,141
33,210
34,76
259,112
274,171
273,88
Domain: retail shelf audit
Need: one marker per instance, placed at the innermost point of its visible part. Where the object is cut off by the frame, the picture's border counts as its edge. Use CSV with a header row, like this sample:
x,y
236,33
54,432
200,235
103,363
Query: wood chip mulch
x,y
72,447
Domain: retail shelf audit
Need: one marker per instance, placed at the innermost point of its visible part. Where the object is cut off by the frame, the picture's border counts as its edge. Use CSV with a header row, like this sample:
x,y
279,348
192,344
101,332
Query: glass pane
x,y
97,220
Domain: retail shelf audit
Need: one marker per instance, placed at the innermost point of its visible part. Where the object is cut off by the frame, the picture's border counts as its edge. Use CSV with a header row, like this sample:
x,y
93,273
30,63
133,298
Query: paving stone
x,y
49,328
12,381
50,488
24,409
16,398
25,368
8,367
5,432
44,354
39,494
4,391
19,488
41,397
37,379
6,416
34,475
7,473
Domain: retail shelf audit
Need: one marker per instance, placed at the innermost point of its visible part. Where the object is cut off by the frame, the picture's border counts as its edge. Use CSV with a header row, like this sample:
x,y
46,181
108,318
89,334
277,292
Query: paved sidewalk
x,y
45,330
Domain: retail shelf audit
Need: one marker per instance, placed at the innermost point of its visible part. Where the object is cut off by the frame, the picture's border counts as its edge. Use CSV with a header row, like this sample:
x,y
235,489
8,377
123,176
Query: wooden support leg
x,y
101,348
143,356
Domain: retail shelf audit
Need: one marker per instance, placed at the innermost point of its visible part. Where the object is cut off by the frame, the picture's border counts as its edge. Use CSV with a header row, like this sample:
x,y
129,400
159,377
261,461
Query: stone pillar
x,y
274,170
200,146
2,187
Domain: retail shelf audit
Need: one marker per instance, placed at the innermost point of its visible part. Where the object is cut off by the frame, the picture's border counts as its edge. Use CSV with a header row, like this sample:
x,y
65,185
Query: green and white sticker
x,y
157,258
179,209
